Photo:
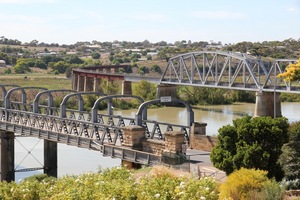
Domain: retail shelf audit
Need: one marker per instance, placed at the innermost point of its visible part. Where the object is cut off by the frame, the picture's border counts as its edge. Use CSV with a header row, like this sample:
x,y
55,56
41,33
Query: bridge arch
x,y
50,99
228,70
109,104
63,105
4,89
213,69
7,100
142,110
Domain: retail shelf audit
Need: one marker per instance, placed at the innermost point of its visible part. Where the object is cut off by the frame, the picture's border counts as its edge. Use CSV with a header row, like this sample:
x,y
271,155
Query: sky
x,y
228,21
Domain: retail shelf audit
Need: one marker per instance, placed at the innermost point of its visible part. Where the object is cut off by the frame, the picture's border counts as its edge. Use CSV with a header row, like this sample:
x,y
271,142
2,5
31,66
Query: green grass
x,y
37,80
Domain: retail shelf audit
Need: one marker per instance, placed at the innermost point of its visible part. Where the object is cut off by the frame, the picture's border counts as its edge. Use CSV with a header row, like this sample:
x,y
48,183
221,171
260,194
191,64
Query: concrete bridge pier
x,y
7,156
126,88
267,104
96,86
80,84
166,90
50,158
88,84
74,81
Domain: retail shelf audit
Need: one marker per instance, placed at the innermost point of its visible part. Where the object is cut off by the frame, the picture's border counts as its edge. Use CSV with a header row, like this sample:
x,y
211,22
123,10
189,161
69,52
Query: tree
x,y
156,68
22,66
251,143
110,87
290,157
142,70
68,72
60,66
96,55
292,72
33,43
204,96
40,64
145,90
73,59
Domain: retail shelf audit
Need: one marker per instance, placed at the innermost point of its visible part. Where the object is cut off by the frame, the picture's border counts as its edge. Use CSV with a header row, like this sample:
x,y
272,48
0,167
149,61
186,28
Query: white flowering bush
x,y
113,184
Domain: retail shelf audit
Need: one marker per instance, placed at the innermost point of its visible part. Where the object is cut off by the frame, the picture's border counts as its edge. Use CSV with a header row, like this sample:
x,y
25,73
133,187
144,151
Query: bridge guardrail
x,y
73,132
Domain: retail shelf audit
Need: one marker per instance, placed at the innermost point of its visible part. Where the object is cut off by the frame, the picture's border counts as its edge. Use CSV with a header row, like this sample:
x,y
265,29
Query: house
x,y
2,63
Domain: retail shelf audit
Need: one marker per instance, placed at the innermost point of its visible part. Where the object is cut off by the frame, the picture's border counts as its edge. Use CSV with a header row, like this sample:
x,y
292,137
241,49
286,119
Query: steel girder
x,y
226,70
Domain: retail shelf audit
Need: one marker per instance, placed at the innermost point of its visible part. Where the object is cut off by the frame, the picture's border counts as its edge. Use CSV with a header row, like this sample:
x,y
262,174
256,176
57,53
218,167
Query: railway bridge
x,y
212,69
60,116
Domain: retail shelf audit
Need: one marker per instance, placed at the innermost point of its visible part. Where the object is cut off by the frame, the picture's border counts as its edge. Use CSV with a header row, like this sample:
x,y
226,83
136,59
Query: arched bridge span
x,y
228,70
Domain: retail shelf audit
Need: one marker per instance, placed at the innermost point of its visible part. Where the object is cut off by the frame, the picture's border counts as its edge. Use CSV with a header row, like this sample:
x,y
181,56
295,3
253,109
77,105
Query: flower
x,y
181,185
157,195
202,197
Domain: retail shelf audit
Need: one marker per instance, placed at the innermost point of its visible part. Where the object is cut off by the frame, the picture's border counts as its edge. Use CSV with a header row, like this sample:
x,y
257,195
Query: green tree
x,y
251,143
22,67
145,90
110,87
142,70
68,72
60,66
96,55
7,71
73,59
156,68
204,96
290,157
40,64
51,58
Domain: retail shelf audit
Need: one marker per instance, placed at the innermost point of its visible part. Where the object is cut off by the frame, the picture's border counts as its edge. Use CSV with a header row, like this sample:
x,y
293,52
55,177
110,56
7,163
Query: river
x,y
73,160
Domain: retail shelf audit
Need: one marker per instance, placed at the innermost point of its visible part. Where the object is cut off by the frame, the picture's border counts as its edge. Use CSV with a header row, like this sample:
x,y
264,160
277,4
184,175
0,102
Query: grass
x,y
49,81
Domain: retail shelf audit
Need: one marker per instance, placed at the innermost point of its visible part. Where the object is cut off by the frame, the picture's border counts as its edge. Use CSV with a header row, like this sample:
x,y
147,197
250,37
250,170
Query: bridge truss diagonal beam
x,y
227,70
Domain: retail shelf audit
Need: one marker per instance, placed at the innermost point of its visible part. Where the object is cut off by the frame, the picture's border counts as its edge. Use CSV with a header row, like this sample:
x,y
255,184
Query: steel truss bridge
x,y
227,70
45,114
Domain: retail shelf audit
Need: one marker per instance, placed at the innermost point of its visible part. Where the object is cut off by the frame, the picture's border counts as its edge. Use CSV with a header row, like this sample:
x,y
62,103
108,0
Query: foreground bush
x,y
253,143
115,183
290,157
250,184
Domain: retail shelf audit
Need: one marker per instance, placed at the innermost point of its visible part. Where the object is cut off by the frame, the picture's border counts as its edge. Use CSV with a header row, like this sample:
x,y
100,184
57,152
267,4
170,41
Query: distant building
x,y
2,63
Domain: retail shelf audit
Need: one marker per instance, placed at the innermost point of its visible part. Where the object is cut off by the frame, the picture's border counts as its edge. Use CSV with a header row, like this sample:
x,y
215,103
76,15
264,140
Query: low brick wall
x,y
203,142
153,146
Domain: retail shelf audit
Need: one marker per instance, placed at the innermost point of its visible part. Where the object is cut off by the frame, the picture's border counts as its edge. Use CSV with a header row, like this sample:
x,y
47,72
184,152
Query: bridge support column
x,y
126,88
97,82
80,84
132,136
175,147
267,104
88,84
196,129
74,82
166,90
7,156
50,158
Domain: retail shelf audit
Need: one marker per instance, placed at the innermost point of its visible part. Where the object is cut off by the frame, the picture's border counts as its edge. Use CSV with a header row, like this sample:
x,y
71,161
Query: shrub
x,y
253,143
250,184
163,183
115,183
290,157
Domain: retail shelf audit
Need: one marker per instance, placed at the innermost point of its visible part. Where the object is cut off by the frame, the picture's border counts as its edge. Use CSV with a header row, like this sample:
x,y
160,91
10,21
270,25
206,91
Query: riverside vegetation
x,y
119,183
147,183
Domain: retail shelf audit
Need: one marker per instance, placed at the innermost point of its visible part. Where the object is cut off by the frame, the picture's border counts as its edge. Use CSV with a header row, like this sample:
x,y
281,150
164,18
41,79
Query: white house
x,y
2,63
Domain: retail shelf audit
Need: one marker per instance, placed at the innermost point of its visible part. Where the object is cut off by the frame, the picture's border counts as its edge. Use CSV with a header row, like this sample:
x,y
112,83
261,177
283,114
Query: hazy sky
x,y
229,21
